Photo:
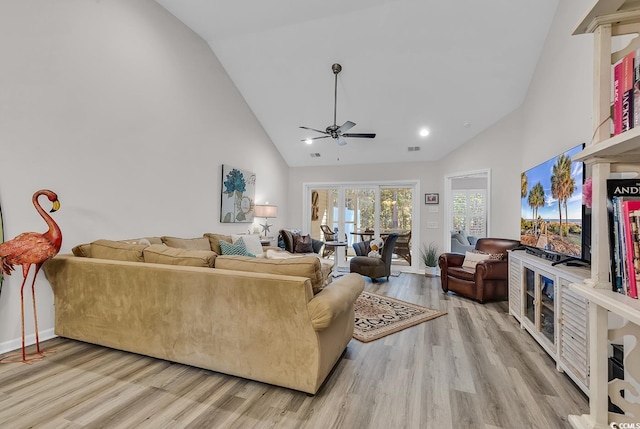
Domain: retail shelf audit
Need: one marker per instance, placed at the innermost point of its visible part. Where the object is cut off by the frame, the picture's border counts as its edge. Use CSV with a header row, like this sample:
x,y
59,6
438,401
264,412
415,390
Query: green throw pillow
x,y
234,249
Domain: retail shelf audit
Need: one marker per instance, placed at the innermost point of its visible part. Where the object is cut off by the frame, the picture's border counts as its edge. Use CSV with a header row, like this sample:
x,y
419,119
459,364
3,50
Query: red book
x,y
617,98
627,91
630,231
636,89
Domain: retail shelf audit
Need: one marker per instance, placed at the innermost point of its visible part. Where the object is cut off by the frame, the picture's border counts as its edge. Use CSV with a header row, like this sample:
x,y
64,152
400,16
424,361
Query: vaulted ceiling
x,y
455,67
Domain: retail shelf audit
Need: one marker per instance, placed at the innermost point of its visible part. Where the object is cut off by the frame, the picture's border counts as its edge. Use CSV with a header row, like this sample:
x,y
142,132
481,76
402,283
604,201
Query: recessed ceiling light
x,y
424,132
308,141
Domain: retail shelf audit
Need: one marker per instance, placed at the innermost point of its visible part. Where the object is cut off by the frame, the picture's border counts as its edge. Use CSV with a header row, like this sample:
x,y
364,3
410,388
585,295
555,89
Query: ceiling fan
x,y
334,131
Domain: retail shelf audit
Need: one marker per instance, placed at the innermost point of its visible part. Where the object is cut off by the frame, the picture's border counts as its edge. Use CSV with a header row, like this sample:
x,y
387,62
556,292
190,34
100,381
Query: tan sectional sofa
x,y
257,319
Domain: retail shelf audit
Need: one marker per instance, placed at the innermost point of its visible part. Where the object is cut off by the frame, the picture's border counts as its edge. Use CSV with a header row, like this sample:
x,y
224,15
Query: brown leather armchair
x,y
489,280
375,267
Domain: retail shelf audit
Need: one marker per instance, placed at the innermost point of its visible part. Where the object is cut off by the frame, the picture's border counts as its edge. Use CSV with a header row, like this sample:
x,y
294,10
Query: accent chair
x,y
374,267
488,280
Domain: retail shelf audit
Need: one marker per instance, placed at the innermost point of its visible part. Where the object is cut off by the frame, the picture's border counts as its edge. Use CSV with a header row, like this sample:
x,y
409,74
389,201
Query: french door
x,y
354,208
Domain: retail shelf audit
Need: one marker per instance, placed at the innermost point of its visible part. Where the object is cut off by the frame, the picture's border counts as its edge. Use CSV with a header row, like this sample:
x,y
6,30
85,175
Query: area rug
x,y
378,316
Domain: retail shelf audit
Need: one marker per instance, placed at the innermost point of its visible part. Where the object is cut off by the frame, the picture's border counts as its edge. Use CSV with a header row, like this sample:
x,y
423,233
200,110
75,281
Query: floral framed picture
x,y
431,198
238,195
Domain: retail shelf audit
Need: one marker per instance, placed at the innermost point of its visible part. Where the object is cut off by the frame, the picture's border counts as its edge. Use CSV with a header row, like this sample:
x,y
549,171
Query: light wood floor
x,y
473,368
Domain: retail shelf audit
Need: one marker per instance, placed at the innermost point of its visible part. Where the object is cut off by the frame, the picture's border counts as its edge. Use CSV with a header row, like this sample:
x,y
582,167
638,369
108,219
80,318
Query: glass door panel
x,y
324,211
359,214
547,314
395,209
530,283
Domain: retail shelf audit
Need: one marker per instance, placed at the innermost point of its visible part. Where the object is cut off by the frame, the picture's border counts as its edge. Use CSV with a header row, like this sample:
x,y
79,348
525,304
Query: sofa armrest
x,y
492,269
334,300
446,260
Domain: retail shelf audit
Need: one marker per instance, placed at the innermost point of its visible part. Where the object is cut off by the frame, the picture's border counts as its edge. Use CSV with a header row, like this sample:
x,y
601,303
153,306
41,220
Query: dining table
x,y
364,235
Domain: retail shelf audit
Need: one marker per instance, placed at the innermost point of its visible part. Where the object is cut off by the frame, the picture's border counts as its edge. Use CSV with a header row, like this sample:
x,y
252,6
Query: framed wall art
x,y
431,198
238,195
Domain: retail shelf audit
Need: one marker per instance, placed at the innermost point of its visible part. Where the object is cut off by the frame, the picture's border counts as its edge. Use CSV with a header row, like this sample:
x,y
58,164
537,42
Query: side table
x,y
266,241
336,245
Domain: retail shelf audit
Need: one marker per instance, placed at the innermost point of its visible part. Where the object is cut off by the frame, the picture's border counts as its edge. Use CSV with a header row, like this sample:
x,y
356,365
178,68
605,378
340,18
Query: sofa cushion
x,y
214,241
116,250
151,240
251,242
82,250
326,265
161,254
200,243
304,266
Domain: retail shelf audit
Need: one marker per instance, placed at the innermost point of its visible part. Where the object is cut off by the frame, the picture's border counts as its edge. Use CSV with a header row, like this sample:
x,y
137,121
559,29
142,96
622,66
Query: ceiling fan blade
x,y
313,129
345,127
341,141
315,138
363,135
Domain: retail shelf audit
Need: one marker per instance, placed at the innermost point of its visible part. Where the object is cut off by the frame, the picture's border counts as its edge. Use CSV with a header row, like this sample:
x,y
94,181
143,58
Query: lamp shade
x,y
266,210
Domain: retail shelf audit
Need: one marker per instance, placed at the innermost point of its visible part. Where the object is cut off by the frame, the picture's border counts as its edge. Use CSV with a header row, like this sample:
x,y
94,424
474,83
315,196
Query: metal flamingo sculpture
x,y
32,248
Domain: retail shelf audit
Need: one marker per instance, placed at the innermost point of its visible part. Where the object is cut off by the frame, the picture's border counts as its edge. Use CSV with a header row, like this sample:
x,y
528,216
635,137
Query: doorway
x,y
467,204
356,209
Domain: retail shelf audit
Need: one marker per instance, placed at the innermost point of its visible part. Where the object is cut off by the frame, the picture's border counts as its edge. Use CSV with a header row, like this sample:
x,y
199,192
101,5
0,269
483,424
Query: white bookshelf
x,y
607,18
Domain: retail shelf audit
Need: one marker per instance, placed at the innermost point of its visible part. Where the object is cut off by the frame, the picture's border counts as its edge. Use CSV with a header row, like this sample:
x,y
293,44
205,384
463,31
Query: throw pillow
x,y
234,249
302,244
471,259
495,256
215,238
251,242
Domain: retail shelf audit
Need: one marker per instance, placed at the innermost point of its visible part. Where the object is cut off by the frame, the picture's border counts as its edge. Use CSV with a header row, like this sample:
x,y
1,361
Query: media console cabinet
x,y
555,316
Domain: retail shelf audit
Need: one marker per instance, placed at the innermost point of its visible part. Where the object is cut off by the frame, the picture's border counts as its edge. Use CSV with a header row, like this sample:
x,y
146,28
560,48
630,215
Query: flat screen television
x,y
554,223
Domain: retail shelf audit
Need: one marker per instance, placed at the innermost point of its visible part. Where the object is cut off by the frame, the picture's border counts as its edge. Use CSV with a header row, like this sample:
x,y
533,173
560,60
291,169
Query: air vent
x,y
413,148
315,155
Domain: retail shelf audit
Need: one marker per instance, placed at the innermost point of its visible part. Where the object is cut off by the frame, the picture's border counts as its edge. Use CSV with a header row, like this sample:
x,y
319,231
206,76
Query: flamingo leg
x,y
25,272
35,315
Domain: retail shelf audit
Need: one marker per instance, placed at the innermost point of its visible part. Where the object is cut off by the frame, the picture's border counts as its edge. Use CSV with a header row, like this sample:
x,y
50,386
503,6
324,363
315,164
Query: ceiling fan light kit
x,y
334,131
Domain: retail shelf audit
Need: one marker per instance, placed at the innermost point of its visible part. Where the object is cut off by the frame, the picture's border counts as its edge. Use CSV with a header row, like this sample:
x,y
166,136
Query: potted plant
x,y
430,259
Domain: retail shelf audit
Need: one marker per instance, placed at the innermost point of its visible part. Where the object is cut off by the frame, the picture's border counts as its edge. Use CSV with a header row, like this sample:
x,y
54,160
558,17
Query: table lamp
x,y
266,211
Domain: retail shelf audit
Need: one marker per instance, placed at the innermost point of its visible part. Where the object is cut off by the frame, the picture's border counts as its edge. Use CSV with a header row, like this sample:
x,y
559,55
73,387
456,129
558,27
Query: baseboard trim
x,y
16,344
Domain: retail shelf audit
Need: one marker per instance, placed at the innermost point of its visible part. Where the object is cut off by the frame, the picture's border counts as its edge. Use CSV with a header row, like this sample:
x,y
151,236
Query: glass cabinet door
x,y
530,283
547,316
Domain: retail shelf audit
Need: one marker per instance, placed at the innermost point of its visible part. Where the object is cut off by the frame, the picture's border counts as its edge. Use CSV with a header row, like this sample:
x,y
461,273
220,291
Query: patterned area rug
x,y
378,316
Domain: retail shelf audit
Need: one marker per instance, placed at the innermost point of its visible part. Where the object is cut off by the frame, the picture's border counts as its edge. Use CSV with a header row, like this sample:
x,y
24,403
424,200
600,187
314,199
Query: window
x,y
470,211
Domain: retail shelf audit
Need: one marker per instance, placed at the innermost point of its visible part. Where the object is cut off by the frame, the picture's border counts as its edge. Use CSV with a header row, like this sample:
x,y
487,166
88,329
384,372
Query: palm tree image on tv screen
x,y
551,212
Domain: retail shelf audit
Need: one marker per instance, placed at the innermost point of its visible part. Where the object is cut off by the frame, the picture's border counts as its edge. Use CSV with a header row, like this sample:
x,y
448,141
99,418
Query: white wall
x,y
128,116
558,107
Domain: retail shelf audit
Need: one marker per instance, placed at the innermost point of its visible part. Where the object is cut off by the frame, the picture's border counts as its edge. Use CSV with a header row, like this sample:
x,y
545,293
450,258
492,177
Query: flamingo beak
x,y
56,206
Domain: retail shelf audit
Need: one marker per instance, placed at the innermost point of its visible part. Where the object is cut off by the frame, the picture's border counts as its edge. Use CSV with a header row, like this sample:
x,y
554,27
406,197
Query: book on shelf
x,y
628,210
634,219
636,89
623,193
627,91
617,98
